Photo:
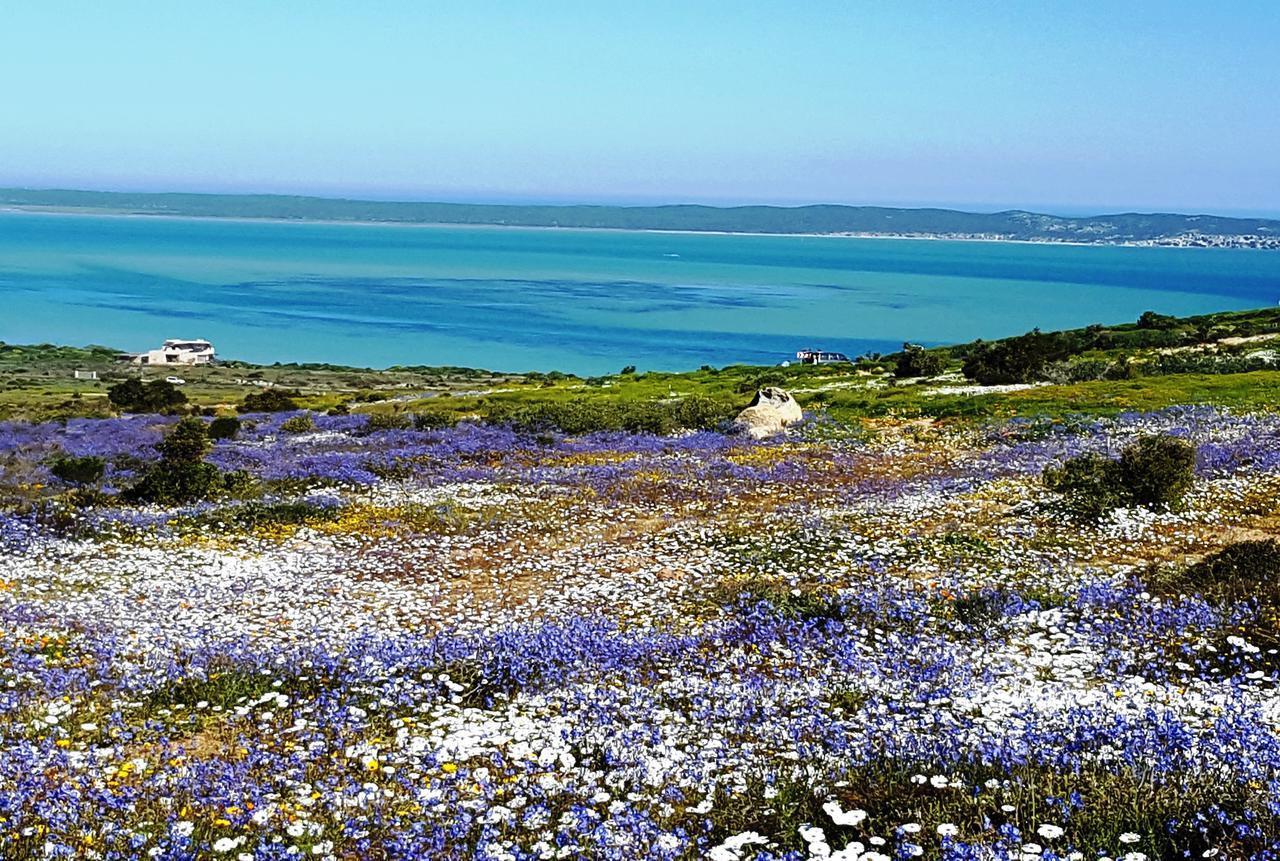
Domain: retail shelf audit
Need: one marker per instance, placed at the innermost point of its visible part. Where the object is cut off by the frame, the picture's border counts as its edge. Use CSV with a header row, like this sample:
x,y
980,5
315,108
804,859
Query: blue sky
x,y
1073,106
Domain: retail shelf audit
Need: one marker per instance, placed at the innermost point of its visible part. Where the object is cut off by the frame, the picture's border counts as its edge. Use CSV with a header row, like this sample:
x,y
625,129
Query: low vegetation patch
x,y
182,475
156,396
271,401
798,603
79,470
301,423
1154,472
583,416
224,427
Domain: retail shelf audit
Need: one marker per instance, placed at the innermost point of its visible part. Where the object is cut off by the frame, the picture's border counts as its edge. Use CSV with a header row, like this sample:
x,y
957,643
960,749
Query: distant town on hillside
x,y
1010,225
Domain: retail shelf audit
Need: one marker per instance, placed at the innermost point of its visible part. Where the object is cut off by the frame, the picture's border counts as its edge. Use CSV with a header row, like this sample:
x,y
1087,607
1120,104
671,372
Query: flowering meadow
x,y
871,642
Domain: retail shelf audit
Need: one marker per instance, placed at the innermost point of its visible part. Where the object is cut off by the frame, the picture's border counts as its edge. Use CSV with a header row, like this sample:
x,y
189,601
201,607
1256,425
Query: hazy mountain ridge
x,y
1129,227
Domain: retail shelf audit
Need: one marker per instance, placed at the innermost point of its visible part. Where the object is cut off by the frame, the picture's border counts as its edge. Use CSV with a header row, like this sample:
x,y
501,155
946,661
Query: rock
x,y
781,400
771,411
759,422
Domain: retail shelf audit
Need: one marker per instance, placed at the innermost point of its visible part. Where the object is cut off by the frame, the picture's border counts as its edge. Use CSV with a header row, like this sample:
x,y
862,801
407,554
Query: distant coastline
x,y
821,221
930,237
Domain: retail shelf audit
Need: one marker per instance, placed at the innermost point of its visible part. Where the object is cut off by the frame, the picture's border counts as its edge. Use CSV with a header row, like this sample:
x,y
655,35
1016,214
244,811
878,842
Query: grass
x,y
36,382
1094,808
799,603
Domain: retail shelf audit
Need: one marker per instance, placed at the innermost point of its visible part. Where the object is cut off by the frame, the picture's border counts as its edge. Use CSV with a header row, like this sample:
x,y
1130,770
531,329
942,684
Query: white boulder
x,y
770,412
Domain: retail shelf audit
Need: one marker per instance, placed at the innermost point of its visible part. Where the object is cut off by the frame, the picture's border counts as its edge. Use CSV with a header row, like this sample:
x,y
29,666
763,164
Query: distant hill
x,y
1128,228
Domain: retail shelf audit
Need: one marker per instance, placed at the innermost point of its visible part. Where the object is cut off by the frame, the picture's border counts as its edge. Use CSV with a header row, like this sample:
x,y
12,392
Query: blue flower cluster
x,y
625,646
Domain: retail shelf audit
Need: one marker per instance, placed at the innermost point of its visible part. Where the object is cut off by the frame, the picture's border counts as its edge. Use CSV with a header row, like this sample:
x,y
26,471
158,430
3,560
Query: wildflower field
x,y
869,641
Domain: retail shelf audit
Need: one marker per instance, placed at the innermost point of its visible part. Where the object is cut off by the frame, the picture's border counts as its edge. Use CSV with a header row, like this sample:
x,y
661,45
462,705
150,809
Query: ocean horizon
x,y
581,301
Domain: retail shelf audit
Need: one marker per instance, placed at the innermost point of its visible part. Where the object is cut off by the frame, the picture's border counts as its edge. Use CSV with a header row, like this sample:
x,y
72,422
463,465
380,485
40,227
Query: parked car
x,y
177,381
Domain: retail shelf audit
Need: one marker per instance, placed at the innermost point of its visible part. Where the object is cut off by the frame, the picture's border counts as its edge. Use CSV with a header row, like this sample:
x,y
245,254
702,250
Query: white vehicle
x,y
177,381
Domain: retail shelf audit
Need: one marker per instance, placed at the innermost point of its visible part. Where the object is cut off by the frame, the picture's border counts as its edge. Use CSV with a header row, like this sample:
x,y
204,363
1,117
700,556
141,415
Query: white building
x,y
177,351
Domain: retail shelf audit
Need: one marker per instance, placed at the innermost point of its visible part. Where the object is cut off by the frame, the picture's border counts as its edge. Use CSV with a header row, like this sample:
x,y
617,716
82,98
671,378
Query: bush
x,y
169,484
1157,471
252,515
434,420
181,475
1085,370
237,482
1152,320
387,421
915,361
698,412
188,442
135,396
803,604
1090,485
225,427
270,401
79,470
1154,472
298,424
1018,360
1238,572
1209,363
582,416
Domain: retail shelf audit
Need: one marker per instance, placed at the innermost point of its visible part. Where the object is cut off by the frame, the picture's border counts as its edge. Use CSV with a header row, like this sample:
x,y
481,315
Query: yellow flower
x,y
449,768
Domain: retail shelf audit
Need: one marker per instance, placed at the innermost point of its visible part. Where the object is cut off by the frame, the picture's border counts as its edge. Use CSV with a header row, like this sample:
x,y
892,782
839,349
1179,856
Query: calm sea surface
x,y
581,301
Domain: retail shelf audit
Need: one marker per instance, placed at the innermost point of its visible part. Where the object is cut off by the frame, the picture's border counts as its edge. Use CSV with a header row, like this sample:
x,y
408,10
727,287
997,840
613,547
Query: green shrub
x,y
79,470
915,361
88,497
237,482
387,421
225,427
169,484
1154,472
805,604
1021,359
1080,371
181,475
1090,485
298,424
433,420
1152,320
1207,363
256,514
390,470
1237,572
698,412
135,396
270,401
1157,471
188,442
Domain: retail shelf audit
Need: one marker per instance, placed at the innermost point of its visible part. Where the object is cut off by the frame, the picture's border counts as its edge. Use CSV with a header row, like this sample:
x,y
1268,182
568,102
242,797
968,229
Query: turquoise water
x,y
581,301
